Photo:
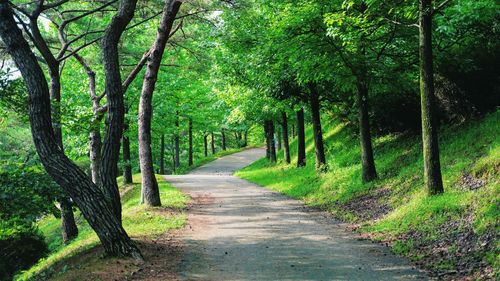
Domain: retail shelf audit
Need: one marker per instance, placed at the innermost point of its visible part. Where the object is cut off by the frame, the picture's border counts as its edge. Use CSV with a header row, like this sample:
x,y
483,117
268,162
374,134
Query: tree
x,y
432,167
150,192
88,197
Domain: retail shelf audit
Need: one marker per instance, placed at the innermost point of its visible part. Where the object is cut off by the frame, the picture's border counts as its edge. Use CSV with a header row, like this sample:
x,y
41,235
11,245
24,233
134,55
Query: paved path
x,y
240,231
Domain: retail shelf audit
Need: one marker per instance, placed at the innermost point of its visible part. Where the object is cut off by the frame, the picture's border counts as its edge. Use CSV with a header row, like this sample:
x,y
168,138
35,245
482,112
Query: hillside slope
x,y
454,235
81,259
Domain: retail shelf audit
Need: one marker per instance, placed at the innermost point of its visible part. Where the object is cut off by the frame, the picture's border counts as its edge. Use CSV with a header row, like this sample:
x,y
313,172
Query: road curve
x,y
240,231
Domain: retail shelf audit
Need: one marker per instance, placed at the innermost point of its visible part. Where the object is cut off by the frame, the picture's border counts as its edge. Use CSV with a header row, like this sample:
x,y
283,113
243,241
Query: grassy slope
x,y
410,217
139,221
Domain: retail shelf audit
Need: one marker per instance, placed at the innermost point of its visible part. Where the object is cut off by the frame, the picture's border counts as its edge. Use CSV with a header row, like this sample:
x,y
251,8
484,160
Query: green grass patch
x,y
469,150
138,220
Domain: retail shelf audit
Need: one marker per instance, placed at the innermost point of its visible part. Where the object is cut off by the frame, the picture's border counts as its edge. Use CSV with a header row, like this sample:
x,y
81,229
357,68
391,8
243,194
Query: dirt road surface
x,y
240,231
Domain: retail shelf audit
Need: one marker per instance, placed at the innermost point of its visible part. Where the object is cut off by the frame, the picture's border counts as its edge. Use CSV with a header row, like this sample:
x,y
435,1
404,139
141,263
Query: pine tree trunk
x,y
368,164
223,139
162,154
205,145
190,135
286,146
115,104
318,134
127,166
432,167
86,195
301,139
150,191
69,228
212,142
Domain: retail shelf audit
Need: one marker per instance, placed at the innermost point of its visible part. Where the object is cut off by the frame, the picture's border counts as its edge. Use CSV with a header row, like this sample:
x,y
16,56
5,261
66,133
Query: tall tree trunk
x,y
115,104
278,137
69,228
150,191
367,161
212,142
293,131
223,139
286,146
162,154
190,135
87,196
177,145
127,164
270,140
316,122
205,145
432,166
301,139
245,138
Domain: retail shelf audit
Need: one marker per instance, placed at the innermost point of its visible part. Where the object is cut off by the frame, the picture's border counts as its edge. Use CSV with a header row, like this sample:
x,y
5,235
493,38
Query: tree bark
x,y
114,93
162,154
432,166
278,137
205,145
245,138
212,142
223,139
150,191
190,136
127,165
177,158
87,196
318,134
368,164
301,139
69,228
286,146
270,141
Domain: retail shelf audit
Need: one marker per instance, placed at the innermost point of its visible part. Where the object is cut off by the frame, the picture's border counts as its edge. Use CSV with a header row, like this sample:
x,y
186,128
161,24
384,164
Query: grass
x,y
138,220
472,149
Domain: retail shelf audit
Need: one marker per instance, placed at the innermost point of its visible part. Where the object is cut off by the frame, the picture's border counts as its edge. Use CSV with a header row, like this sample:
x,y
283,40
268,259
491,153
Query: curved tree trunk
x,y
150,192
367,161
286,146
190,137
432,166
87,196
114,93
301,139
318,134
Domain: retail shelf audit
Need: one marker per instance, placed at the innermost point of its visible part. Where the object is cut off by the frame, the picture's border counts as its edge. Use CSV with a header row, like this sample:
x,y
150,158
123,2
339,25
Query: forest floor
x,y
240,231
